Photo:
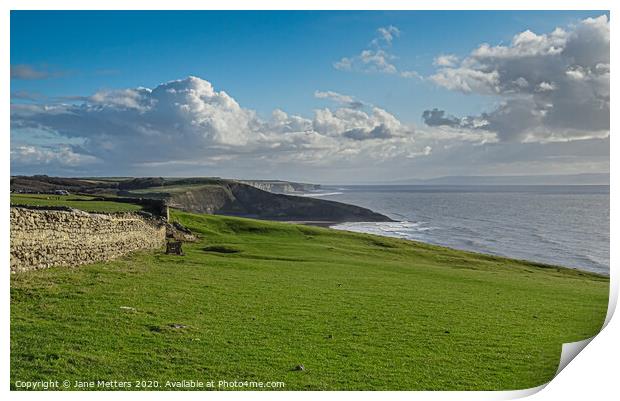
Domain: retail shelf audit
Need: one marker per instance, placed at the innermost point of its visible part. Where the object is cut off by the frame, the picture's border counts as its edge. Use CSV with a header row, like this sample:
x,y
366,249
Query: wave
x,y
565,230
418,231
397,229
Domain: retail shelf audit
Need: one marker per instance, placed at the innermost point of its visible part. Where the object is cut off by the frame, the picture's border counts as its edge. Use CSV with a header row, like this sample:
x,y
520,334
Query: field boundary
x,y
46,237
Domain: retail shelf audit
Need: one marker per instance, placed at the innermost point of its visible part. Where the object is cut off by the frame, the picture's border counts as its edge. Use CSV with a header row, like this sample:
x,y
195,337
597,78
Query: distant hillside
x,y
237,199
44,183
283,187
569,179
207,195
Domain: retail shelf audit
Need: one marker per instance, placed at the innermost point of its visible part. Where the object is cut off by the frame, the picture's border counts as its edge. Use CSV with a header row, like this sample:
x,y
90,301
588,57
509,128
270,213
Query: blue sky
x,y
264,60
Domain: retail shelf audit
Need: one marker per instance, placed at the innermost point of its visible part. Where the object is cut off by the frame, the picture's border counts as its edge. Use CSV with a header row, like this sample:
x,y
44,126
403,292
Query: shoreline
x,y
318,223
529,261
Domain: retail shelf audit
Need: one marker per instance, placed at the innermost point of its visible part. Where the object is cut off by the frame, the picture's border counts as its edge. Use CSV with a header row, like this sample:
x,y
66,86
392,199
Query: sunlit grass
x,y
81,202
259,298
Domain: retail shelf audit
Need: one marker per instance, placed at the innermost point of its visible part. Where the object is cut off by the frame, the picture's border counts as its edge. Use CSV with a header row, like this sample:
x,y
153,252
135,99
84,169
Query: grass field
x,y
80,202
173,188
255,299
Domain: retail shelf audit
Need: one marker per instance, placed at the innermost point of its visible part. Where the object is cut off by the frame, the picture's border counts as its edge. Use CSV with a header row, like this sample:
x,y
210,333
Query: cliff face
x,y
212,195
282,187
238,199
210,199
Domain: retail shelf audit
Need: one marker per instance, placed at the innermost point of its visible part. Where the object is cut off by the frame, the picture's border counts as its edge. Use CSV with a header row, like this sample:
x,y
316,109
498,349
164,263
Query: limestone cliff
x,y
262,199
238,199
281,187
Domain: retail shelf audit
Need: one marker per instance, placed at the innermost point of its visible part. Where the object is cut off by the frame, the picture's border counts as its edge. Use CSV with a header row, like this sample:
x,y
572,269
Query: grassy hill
x,y
206,195
253,299
80,202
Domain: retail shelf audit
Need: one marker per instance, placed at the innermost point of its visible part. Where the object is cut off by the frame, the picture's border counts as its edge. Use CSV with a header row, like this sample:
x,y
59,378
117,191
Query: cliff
x,y
213,195
238,199
282,187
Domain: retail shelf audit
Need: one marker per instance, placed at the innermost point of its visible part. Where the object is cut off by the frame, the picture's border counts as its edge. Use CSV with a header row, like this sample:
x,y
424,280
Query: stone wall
x,y
45,238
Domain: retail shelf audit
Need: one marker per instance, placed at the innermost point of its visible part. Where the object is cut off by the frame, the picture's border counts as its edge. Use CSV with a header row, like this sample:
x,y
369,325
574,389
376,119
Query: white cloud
x,y
577,73
127,98
345,64
344,100
369,60
188,122
359,125
187,127
61,155
468,80
525,44
376,59
552,87
546,86
387,34
445,60
411,74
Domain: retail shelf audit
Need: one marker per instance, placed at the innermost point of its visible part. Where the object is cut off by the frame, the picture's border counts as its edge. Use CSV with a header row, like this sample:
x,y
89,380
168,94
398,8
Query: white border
x,y
593,374
308,5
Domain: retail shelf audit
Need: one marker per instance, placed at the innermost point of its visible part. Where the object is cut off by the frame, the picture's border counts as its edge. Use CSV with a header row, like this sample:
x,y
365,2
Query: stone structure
x,y
174,248
176,231
45,238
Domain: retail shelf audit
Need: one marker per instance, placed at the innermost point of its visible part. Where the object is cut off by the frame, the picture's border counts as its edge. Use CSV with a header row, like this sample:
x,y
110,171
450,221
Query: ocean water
x,y
563,225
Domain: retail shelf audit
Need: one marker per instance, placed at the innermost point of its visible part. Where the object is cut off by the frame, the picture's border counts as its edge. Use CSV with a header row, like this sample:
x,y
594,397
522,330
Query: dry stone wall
x,y
45,238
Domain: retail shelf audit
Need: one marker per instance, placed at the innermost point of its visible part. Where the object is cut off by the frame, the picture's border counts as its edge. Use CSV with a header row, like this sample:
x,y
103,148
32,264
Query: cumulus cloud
x,y
386,34
552,87
369,60
360,134
358,125
446,60
187,127
189,122
137,99
45,155
377,58
344,100
468,80
437,118
411,74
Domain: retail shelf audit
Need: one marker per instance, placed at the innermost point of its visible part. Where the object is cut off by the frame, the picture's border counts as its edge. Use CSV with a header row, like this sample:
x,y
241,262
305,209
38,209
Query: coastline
x,y
323,224
557,225
341,226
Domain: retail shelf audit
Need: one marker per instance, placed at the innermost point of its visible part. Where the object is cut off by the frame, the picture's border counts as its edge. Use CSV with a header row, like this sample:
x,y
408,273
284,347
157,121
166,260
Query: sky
x,y
328,97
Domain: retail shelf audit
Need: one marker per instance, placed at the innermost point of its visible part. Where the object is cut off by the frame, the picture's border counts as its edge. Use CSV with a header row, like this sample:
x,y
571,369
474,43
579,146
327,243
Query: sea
x,y
561,225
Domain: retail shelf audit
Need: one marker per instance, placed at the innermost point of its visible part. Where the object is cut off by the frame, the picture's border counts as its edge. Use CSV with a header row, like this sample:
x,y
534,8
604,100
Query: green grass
x,y
170,189
258,298
81,202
